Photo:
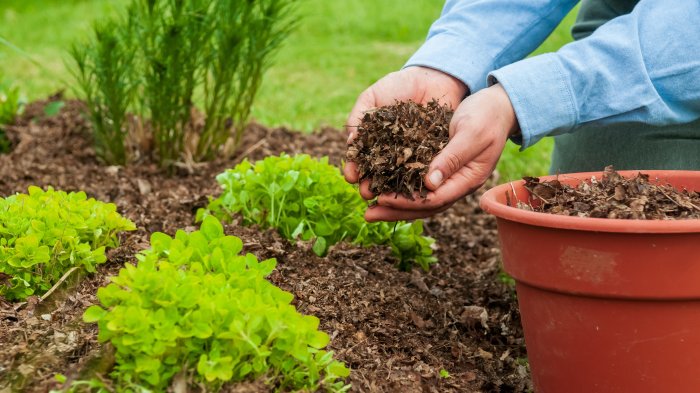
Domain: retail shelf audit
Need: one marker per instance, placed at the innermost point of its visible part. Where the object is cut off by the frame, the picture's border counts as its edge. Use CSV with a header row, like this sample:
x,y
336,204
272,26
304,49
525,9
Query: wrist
x,y
448,82
505,107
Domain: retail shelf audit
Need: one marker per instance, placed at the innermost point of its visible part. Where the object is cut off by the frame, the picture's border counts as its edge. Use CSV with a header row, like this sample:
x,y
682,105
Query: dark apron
x,y
627,145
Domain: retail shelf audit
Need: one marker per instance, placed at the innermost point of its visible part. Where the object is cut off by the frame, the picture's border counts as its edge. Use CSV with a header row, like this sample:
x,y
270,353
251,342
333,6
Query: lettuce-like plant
x,y
308,199
192,304
43,234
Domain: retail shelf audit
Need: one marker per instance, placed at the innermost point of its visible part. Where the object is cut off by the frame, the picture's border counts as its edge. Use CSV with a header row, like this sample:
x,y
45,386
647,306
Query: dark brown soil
x,y
614,196
395,144
395,330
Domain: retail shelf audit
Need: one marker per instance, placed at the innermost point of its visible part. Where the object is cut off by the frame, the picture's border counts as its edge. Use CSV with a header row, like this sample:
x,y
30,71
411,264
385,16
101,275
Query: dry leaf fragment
x,y
620,193
615,197
415,165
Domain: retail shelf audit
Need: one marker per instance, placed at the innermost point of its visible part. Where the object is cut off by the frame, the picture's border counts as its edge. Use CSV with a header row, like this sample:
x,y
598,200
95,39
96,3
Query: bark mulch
x,y
396,143
613,196
395,330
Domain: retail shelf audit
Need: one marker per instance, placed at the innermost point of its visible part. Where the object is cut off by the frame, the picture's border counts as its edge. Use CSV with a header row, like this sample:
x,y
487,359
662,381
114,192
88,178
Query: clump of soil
x,y
395,144
614,196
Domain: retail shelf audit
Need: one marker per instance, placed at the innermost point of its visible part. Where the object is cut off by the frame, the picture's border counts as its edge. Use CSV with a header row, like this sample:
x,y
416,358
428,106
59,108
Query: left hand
x,y
479,130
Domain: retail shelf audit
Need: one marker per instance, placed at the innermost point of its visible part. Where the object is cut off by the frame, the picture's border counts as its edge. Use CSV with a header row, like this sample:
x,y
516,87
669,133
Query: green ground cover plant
x,y
43,234
158,59
308,199
194,305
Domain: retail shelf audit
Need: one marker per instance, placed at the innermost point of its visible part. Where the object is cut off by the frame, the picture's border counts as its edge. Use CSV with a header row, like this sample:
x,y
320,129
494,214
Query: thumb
x,y
458,153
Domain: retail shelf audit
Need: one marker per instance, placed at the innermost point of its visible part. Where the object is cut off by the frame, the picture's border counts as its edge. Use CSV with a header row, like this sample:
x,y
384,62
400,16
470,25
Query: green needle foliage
x,y
43,234
309,199
162,57
104,72
194,305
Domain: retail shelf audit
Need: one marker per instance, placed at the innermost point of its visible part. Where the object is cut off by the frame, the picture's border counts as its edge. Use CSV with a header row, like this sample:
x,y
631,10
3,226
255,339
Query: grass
x,y
339,48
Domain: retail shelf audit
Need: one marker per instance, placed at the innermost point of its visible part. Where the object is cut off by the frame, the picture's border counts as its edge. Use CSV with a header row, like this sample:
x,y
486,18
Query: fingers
x,y
364,190
350,172
460,151
465,181
383,213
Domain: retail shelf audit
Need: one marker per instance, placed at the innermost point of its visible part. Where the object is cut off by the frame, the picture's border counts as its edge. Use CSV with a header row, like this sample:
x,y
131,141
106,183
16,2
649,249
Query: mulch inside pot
x,y
395,144
613,196
395,330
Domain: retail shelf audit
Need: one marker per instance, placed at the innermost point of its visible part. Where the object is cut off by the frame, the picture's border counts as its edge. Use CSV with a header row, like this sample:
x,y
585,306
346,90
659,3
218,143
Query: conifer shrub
x,y
142,74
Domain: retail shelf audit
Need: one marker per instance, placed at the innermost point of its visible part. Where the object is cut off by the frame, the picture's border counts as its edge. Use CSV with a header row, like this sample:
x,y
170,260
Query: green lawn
x,y
338,49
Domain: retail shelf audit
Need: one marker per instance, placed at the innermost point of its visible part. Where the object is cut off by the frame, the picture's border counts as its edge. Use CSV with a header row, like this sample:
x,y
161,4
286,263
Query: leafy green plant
x,y
166,54
43,234
192,304
10,106
309,199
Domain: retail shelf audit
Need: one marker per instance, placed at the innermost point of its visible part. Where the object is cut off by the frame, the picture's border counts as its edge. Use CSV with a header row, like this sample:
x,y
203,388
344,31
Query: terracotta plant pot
x,y
607,305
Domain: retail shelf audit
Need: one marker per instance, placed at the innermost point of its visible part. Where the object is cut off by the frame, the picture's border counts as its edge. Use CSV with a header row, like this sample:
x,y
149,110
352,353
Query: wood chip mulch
x,y
614,196
395,330
395,144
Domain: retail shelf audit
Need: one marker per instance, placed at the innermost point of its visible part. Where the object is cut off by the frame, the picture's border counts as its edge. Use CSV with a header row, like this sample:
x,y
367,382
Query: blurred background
x,y
338,49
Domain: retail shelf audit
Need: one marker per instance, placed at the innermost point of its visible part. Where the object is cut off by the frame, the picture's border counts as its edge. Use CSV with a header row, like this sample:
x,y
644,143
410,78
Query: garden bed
x,y
395,330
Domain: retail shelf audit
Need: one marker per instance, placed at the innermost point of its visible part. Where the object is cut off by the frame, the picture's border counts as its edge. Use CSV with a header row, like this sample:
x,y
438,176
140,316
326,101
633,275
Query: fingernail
x,y
350,137
435,178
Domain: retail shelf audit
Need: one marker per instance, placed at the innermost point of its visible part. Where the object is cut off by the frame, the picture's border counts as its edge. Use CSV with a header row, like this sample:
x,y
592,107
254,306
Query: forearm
x,y
474,37
641,67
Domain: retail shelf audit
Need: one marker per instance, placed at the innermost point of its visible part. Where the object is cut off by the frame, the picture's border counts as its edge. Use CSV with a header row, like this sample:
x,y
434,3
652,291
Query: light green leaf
x,y
94,313
320,247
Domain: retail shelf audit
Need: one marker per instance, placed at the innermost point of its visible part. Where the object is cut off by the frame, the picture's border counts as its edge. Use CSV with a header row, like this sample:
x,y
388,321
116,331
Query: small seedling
x,y
53,108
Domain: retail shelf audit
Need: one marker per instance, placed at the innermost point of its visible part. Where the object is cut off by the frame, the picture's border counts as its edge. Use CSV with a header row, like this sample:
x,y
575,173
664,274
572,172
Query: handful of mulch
x,y
396,143
613,196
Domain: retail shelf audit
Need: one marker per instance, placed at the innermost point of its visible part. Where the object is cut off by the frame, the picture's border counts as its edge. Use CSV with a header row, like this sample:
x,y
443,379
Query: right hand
x,y
419,84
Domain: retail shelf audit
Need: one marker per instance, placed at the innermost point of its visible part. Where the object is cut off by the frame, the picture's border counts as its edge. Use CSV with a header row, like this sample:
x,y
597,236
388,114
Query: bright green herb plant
x,y
308,199
193,304
10,106
43,234
161,57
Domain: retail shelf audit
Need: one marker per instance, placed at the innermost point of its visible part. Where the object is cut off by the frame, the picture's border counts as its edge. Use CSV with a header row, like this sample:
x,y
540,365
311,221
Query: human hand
x,y
419,84
479,130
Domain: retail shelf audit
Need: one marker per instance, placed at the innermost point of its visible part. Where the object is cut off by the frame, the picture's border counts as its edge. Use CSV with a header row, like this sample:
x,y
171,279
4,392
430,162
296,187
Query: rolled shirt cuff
x,y
450,54
541,96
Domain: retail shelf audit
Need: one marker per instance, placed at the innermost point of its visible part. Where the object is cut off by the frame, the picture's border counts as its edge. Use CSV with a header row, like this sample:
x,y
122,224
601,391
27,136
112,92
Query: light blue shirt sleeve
x,y
640,67
474,37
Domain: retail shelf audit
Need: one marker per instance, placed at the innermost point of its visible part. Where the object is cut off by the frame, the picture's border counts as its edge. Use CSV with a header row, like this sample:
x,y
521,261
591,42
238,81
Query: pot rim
x,y
491,205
